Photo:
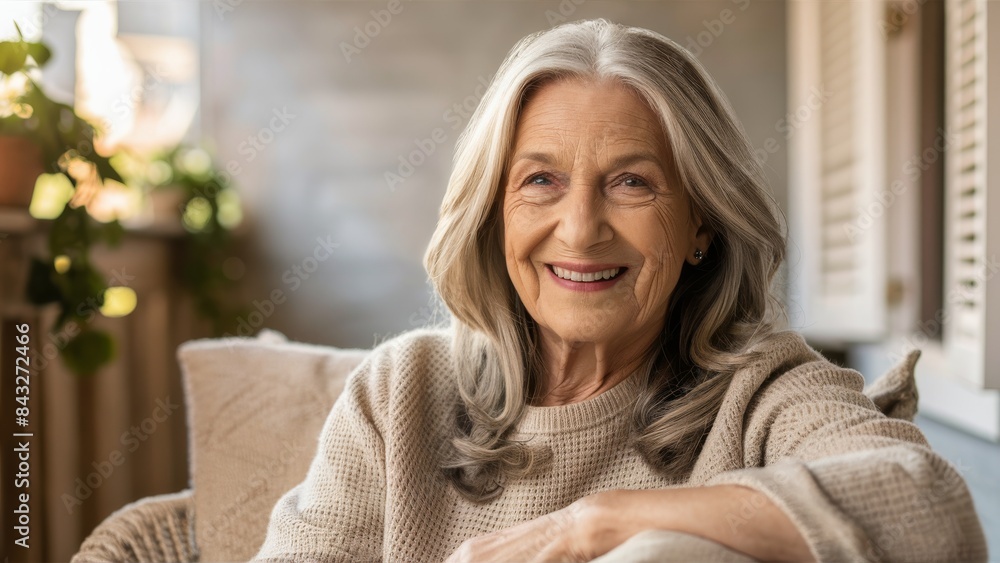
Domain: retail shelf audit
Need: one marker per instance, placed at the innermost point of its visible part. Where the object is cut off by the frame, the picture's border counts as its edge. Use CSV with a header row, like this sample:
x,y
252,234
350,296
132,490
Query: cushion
x,y
255,410
669,546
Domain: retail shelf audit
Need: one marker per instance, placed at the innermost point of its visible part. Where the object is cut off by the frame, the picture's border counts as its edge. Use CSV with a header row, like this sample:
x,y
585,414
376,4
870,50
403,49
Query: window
x,y
890,187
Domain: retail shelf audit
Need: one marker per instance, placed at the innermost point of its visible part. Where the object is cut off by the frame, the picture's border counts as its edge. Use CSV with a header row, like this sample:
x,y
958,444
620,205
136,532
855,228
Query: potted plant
x,y
40,135
20,158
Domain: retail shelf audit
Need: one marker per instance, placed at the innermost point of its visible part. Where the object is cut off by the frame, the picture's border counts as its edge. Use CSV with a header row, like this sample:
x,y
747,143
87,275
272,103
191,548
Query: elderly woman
x,y
605,247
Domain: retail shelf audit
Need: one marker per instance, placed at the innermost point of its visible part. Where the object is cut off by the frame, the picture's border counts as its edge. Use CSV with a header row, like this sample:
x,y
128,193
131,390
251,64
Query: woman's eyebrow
x,y
619,161
541,157
623,160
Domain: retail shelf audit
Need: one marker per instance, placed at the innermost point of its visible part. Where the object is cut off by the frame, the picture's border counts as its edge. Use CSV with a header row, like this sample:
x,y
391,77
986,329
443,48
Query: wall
x,y
311,132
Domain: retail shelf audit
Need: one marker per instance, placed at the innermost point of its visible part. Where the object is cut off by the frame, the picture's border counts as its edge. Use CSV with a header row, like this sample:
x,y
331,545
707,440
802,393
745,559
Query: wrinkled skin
x,y
591,181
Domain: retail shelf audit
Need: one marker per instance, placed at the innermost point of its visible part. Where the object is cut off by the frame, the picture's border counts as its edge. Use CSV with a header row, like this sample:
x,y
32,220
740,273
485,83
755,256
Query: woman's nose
x,y
583,218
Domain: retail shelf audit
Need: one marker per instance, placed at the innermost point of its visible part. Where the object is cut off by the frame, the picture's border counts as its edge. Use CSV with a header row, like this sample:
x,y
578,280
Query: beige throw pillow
x,y
255,410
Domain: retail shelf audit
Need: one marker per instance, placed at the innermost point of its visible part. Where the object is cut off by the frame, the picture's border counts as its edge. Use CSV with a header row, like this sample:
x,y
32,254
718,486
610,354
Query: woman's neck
x,y
576,371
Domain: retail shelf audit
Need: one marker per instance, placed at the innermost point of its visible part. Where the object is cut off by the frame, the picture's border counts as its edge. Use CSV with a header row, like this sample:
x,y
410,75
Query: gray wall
x,y
323,173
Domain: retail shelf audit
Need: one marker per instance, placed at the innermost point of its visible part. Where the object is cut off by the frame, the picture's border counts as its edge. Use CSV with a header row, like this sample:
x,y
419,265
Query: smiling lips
x,y
583,277
571,275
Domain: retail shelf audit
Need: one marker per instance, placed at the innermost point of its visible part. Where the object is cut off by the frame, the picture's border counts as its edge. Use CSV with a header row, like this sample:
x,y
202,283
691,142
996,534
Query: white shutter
x,y
836,224
971,314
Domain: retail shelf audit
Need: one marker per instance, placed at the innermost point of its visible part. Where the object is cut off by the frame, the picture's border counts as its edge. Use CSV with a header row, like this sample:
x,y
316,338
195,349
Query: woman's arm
x,y
857,484
733,516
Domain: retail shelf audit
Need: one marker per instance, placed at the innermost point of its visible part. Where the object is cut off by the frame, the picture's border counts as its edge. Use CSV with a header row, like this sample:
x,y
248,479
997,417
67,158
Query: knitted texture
x,y
796,428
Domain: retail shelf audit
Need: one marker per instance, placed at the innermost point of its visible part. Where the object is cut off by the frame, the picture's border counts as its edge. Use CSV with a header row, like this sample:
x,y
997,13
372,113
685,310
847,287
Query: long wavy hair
x,y
717,311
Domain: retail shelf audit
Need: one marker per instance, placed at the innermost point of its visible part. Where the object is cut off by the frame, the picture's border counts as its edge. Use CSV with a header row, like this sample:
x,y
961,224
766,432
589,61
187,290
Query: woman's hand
x,y
575,533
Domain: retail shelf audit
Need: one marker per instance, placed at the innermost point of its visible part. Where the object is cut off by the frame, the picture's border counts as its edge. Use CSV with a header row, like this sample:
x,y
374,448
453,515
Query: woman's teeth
x,y
581,277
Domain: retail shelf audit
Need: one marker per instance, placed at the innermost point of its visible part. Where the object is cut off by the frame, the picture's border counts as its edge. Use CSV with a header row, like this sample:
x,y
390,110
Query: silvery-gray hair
x,y
716,312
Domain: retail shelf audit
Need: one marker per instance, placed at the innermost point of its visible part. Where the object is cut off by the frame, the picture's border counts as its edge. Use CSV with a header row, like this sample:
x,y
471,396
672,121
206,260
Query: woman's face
x,y
596,227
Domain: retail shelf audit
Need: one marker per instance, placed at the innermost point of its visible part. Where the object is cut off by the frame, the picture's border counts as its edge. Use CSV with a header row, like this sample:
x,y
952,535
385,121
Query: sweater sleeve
x,y
858,485
336,513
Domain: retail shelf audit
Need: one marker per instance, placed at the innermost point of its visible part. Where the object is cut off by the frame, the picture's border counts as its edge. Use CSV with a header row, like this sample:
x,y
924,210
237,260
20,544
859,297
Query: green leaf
x,y
105,168
82,292
112,232
68,233
41,286
13,55
88,352
95,286
65,314
39,52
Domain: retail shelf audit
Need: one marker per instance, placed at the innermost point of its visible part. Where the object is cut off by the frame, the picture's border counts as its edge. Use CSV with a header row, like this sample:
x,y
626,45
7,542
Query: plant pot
x,y
20,166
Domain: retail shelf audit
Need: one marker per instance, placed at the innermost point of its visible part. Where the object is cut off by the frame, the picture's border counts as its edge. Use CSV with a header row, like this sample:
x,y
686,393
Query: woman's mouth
x,y
595,278
567,274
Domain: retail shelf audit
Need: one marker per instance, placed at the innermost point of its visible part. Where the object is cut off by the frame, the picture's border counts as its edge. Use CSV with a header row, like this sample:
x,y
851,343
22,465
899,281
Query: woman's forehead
x,y
604,117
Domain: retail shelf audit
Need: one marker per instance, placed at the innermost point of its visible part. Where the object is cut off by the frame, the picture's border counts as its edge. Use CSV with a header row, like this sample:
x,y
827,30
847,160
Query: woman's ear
x,y
701,240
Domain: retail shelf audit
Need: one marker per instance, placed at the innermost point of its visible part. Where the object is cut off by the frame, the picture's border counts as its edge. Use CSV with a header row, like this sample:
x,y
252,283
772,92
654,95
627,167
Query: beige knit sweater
x,y
859,485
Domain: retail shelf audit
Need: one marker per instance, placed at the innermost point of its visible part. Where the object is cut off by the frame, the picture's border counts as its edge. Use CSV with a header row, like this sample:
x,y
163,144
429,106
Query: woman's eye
x,y
634,182
538,180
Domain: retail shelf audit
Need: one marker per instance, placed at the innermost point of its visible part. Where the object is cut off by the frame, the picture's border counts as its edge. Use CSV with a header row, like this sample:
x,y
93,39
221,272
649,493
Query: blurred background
x,y
179,169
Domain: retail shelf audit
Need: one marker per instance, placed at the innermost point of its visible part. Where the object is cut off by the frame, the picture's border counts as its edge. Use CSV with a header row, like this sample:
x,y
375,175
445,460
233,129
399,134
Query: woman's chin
x,y
595,331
